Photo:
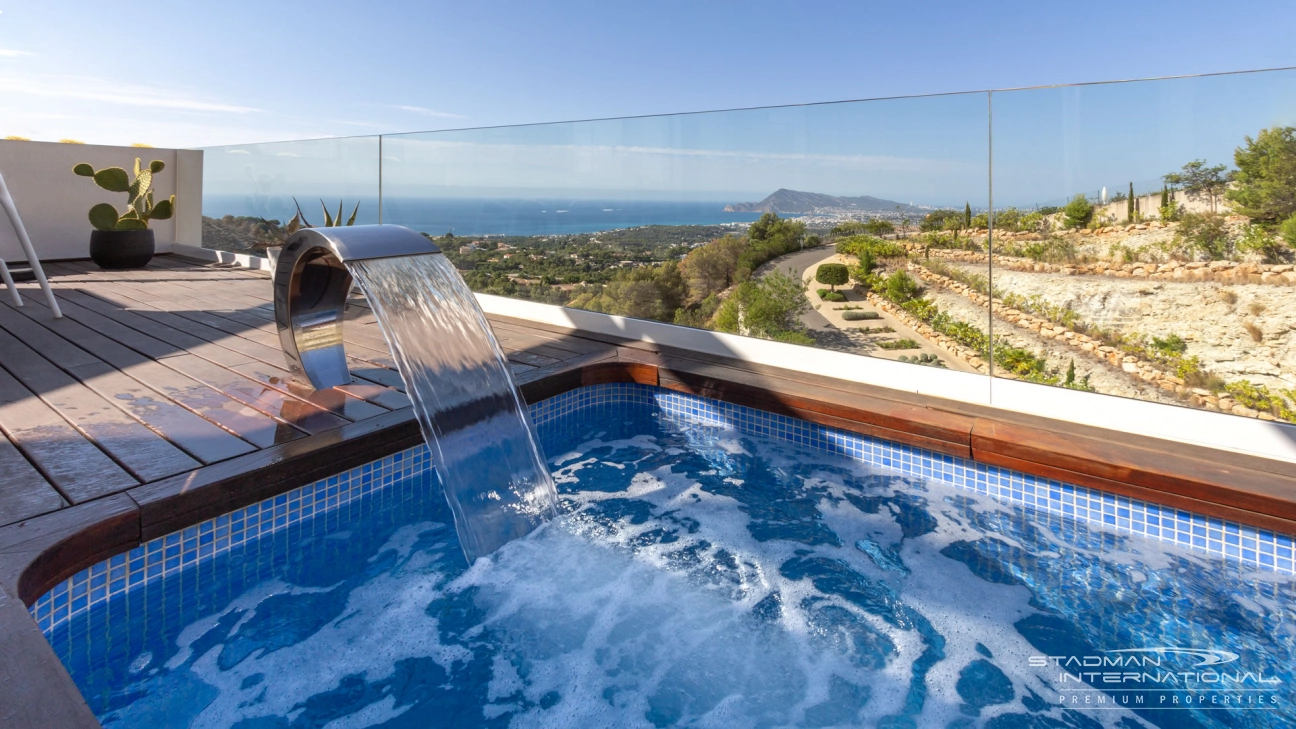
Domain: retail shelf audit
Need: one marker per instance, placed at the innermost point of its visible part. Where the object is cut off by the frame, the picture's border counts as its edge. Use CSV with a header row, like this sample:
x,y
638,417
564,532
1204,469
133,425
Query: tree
x,y
832,274
1200,181
769,308
710,268
850,227
1288,231
878,227
967,215
1078,212
1129,205
938,220
1266,177
904,220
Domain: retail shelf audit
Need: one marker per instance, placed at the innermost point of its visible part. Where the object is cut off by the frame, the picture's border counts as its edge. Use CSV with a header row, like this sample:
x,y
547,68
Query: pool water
x,y
698,577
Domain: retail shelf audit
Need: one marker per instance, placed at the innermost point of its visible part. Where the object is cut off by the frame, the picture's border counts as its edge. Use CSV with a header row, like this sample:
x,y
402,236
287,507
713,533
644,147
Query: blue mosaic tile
x,y
192,546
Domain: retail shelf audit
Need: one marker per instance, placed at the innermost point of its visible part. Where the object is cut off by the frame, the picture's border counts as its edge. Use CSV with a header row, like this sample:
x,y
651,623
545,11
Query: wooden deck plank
x,y
256,428
141,451
263,331
358,347
24,493
268,357
78,469
176,341
306,416
55,338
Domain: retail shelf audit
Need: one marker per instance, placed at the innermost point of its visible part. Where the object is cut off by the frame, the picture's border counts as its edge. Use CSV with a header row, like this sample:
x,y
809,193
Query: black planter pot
x,y
115,249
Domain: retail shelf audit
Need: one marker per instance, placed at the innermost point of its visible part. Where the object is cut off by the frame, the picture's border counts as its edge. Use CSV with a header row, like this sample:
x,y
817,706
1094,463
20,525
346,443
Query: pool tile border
x,y
173,552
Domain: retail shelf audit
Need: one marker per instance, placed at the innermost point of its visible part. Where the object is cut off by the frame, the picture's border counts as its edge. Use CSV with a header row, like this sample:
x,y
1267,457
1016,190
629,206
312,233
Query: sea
x,y
482,217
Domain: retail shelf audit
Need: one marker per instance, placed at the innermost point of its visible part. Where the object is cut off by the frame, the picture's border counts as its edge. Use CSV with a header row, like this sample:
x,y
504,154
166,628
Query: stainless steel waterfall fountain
x,y
311,285
468,407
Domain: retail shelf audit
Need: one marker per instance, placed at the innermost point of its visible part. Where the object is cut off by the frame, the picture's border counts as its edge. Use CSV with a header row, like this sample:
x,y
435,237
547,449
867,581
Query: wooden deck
x,y
158,372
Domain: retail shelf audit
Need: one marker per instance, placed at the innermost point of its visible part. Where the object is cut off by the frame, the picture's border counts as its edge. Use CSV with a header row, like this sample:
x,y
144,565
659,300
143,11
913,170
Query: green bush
x,y
1078,212
1206,233
900,287
899,344
835,297
1173,344
856,245
833,274
930,360
860,315
876,330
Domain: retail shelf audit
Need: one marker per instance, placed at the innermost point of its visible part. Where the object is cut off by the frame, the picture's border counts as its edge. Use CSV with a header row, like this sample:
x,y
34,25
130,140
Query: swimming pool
x,y
716,566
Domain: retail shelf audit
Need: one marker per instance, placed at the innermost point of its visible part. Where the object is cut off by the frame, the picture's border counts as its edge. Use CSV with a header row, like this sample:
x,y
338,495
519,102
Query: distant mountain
x,y
792,202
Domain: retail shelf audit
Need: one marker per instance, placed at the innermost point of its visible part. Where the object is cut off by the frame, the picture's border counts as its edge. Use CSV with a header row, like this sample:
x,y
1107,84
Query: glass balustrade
x,y
1139,246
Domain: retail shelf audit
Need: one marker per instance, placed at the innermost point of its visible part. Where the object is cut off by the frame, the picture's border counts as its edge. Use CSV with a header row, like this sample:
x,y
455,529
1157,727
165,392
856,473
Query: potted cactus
x,y
124,240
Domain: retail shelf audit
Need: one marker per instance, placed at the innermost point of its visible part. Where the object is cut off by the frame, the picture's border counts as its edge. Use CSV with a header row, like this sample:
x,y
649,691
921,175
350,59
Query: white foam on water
x,y
616,636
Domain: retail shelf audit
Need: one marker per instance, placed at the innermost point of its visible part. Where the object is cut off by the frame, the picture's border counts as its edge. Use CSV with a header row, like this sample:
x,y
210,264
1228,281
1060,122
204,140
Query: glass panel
x,y
1180,294
662,217
249,189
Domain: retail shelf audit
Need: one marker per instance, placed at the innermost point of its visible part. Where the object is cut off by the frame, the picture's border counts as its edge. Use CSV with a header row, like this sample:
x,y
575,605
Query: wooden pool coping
x,y
37,553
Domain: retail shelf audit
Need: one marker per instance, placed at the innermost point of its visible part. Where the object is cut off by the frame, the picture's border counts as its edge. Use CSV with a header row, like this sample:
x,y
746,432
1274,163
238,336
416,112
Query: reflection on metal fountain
x,y
468,407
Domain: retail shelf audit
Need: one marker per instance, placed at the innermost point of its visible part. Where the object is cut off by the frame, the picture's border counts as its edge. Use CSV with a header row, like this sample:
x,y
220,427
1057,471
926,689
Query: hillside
x,y
793,202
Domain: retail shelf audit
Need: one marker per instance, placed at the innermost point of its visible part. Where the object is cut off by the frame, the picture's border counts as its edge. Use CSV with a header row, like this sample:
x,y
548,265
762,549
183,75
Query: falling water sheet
x,y
468,407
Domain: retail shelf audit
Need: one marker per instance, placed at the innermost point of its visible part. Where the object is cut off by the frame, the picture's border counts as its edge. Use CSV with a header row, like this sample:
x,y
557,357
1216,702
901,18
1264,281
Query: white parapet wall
x,y
1182,424
54,202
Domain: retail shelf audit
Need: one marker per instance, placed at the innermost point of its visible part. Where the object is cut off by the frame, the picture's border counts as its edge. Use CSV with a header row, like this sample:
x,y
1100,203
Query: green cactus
x,y
140,208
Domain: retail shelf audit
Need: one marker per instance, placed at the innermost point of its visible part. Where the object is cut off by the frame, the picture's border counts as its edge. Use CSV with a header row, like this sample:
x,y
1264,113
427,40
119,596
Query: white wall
x,y
1150,206
54,203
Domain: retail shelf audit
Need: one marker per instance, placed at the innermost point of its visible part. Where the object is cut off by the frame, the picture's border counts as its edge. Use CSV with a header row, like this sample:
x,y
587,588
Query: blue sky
x,y
203,74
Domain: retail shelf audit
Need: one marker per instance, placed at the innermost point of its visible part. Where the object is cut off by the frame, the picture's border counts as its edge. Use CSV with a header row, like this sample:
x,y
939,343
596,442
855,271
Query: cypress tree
x,y
1165,196
967,215
1129,204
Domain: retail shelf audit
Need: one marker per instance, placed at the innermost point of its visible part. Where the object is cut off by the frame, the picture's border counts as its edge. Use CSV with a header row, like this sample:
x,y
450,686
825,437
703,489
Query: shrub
x,y
1078,212
899,344
1206,234
856,245
860,315
1173,344
930,360
1259,397
876,330
900,287
835,297
833,274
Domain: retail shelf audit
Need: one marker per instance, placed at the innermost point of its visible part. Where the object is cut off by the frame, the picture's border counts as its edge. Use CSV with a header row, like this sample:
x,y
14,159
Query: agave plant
x,y
140,208
330,221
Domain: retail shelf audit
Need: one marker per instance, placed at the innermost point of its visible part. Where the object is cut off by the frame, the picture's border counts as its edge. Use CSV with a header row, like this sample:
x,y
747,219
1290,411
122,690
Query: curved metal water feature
x,y
468,407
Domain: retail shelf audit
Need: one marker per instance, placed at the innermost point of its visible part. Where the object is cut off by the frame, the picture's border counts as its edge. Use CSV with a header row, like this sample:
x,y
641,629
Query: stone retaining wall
x,y
967,354
1148,371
